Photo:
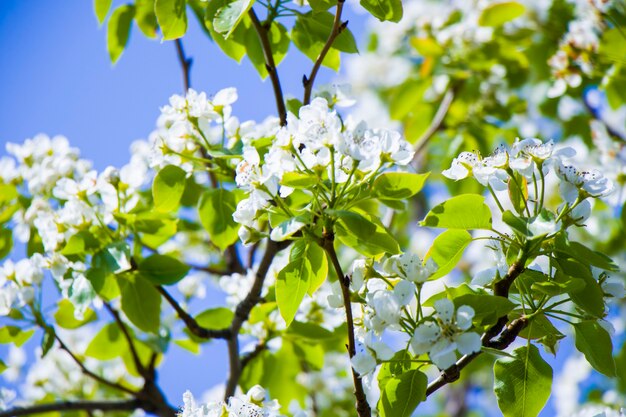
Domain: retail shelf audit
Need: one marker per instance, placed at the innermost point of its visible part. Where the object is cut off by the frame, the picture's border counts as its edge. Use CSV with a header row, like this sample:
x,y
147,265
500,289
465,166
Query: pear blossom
x,y
446,333
410,267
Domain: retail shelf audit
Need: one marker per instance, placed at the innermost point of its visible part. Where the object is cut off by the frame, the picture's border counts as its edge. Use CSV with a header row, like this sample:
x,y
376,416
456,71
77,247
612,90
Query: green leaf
x,y
582,253
65,318
517,224
3,366
162,269
228,17
402,394
47,340
168,188
235,45
215,318
367,238
319,266
288,228
114,258
447,250
216,208
398,185
384,9
15,335
487,308
311,331
291,286
593,341
590,297
522,384
101,8
107,344
6,242
145,17
172,18
141,302
499,13
79,243
118,31
8,192
466,211
298,180
321,5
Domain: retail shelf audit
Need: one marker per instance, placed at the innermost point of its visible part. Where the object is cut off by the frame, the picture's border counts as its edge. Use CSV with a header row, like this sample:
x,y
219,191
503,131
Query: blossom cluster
x,y
252,404
319,144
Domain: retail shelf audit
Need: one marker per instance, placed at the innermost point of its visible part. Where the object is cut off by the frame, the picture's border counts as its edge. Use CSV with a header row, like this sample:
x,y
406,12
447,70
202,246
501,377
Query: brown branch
x,y
362,406
116,316
91,374
248,357
270,65
436,124
510,333
242,312
127,405
190,322
336,30
185,64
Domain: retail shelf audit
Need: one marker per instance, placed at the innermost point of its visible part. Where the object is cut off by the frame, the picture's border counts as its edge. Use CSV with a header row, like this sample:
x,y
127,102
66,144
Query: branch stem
x,y
127,405
436,124
336,30
362,406
185,64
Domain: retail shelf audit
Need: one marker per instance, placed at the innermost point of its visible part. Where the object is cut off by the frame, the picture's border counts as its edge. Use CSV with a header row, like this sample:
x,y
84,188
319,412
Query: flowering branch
x,y
127,405
436,124
270,65
242,312
336,30
185,64
510,333
362,406
190,322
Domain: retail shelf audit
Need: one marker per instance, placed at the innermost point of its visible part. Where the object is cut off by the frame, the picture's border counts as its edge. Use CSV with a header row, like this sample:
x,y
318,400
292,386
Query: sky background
x,y
56,78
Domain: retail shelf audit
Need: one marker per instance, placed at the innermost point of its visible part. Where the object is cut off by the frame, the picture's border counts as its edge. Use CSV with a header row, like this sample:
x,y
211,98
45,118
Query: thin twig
x,y
436,124
127,405
336,30
362,406
185,64
116,316
510,333
242,312
248,357
190,322
93,375
270,66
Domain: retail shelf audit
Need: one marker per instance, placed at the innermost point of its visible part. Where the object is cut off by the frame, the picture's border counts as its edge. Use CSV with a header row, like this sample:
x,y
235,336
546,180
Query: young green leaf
x,y
367,238
292,285
141,302
118,31
384,9
216,208
65,318
168,188
235,45
522,384
593,341
466,211
172,18
162,269
447,250
107,344
101,8
402,394
398,185
498,14
228,17
215,318
145,17
6,242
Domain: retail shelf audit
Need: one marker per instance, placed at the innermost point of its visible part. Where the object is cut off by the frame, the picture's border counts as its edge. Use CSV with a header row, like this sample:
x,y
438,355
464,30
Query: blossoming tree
x,y
373,250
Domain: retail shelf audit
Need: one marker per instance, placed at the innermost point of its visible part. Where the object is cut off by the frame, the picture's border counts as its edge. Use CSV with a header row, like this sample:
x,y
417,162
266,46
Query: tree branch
x,y
336,30
258,349
127,405
190,322
242,312
436,124
362,406
116,316
185,64
270,65
510,333
91,374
